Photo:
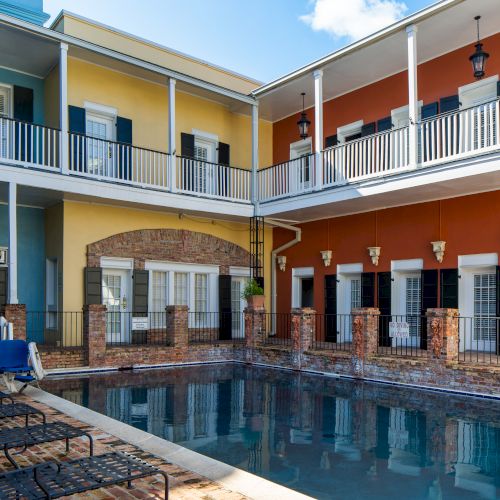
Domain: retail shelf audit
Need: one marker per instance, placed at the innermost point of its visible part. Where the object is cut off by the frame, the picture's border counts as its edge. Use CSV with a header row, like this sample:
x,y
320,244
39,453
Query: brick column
x,y
303,333
177,326
364,336
94,334
442,334
255,325
16,314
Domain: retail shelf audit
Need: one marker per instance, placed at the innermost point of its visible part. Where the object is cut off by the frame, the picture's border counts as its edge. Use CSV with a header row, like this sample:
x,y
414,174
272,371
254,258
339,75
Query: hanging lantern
x,y
303,123
478,59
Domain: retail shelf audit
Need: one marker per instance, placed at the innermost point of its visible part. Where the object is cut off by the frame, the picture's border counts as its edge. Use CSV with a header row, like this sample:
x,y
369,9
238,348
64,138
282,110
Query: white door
x,y
100,160
204,168
300,169
349,298
409,307
484,323
4,124
237,306
115,296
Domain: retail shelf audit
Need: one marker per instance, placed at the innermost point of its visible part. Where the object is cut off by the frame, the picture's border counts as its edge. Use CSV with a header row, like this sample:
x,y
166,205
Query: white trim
x,y
10,98
239,271
407,265
12,238
478,84
200,134
350,268
478,92
117,263
297,146
156,265
297,274
478,260
100,109
348,130
303,272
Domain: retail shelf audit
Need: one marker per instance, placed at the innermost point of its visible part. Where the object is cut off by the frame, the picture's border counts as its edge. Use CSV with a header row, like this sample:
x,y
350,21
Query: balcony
x,y
445,138
34,146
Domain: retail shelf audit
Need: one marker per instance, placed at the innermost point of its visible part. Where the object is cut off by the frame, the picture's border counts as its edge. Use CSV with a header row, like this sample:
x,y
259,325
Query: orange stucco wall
x,y
437,78
468,224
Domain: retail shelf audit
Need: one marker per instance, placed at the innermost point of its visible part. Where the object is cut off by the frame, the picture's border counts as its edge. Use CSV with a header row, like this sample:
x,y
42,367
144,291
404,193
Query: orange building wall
x,y
437,78
468,224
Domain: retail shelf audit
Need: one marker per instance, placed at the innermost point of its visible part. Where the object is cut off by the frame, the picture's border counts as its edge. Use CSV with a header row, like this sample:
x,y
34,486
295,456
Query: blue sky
x,y
263,39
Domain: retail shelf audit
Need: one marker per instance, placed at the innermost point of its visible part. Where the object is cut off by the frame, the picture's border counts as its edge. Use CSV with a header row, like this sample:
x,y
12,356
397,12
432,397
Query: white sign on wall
x,y
399,330
140,324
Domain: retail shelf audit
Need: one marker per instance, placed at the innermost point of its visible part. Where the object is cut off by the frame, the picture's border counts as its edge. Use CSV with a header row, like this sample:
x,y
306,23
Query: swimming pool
x,y
325,437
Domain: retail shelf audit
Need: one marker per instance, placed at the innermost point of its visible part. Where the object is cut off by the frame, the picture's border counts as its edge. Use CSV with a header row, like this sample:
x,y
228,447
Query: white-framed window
x,y
300,151
413,304
5,112
302,286
349,132
181,297
159,297
355,293
485,296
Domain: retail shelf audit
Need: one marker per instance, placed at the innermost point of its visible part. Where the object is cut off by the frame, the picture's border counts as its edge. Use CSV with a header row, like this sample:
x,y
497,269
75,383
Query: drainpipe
x,y
291,243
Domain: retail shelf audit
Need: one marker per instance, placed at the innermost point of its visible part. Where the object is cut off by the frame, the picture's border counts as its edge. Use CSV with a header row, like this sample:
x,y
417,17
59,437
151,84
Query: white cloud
x,y
353,19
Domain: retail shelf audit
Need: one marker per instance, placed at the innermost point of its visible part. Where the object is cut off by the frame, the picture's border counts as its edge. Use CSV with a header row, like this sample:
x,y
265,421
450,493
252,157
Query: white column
x,y
171,134
318,126
412,93
13,243
255,157
63,107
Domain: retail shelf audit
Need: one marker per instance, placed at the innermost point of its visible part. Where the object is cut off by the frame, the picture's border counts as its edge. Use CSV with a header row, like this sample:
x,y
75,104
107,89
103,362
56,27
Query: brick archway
x,y
175,245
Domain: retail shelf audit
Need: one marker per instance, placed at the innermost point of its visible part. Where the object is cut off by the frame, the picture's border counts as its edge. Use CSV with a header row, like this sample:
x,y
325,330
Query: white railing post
x,y
412,94
255,157
318,127
171,134
12,256
63,108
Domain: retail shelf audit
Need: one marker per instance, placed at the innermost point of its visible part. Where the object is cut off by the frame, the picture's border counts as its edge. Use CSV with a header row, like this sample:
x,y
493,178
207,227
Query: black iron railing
x,y
333,332
55,329
215,327
277,329
402,335
479,339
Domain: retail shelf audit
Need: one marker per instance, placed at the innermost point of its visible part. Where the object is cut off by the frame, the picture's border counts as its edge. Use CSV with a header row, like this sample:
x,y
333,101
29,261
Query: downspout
x,y
274,253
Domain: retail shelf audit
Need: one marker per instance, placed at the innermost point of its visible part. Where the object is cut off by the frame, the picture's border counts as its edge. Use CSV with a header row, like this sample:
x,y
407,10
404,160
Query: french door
x,y
237,307
115,296
5,140
409,308
204,168
100,157
484,327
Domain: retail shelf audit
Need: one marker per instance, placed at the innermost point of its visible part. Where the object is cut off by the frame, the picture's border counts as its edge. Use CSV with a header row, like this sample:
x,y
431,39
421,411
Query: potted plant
x,y
254,294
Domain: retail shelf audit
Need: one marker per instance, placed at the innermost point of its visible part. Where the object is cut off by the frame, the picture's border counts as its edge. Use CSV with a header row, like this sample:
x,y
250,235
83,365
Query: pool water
x,y
325,437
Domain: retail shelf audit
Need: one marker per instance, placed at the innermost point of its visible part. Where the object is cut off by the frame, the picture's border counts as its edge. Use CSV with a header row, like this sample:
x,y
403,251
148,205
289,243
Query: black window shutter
x,y
498,89
384,283
23,104
368,129
187,145
4,285
430,110
123,130
93,285
225,308
449,103
140,291
76,119
331,141
77,144
124,136
224,154
330,308
367,289
429,299
384,124
449,288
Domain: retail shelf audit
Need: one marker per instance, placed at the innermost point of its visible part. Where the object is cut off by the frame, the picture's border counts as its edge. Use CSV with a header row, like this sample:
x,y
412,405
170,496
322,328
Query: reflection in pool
x,y
328,438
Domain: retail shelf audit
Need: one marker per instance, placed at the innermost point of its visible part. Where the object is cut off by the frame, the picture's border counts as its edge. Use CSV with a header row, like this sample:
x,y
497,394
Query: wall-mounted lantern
x,y
478,59
326,255
281,262
303,123
374,253
438,248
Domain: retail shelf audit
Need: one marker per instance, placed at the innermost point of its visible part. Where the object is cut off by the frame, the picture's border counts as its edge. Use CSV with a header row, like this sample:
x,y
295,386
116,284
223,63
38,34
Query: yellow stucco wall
x,y
86,223
146,104
51,98
148,51
54,243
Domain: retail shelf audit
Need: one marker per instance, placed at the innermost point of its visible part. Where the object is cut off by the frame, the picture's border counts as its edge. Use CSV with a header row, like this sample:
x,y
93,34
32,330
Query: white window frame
x,y
298,273
478,92
10,98
347,130
298,148
403,113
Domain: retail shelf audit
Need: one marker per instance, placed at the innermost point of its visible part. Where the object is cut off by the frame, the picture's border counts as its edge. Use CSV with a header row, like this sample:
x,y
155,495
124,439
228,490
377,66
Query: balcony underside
x,y
448,180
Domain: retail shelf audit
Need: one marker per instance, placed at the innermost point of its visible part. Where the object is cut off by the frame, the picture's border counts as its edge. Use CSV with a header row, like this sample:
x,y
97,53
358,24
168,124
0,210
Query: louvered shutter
x,y
93,285
429,299
4,112
498,309
222,178
4,285
330,308
124,137
367,289
225,307
23,111
429,110
77,142
223,151
368,129
384,304
140,291
384,124
187,145
449,103
331,141
189,180
449,288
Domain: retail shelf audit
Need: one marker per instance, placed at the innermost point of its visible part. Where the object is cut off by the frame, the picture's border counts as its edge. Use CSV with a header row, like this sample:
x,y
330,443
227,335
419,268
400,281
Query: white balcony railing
x,y
212,180
288,178
29,144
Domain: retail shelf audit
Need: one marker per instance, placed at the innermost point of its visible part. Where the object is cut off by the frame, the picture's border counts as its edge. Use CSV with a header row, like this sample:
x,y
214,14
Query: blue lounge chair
x,y
14,360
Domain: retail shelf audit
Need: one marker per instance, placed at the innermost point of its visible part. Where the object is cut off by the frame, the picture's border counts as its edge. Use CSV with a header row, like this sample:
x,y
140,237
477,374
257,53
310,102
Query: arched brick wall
x,y
175,245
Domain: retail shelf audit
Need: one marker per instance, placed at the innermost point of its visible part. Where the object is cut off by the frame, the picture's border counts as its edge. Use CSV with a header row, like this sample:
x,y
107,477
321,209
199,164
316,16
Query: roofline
x,y
360,44
155,68
153,44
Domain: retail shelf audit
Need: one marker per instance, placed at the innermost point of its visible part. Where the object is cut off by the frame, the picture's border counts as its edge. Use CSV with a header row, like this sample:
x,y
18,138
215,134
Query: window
x,y
181,289
4,124
307,292
159,297
99,150
413,304
484,307
201,297
355,293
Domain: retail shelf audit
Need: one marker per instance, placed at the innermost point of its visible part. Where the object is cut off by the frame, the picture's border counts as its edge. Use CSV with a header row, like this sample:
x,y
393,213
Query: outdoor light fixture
x,y
303,123
438,248
374,253
326,255
281,262
478,59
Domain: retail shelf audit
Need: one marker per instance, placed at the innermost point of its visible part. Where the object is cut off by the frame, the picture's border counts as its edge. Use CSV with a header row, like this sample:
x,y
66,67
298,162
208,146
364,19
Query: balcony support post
x,y
318,127
255,158
412,94
12,256
63,108
171,134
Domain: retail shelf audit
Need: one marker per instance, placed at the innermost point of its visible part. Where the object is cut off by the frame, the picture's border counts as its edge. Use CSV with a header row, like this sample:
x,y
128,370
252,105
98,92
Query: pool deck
x,y
191,474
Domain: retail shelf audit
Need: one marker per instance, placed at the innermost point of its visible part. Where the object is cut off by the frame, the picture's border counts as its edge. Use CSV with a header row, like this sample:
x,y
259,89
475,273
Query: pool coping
x,y
232,478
